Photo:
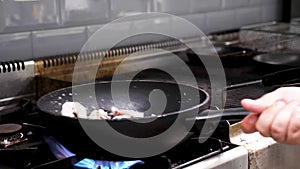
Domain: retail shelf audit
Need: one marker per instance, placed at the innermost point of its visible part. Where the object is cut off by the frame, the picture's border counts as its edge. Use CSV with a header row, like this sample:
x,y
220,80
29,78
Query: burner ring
x,y
11,139
9,129
10,134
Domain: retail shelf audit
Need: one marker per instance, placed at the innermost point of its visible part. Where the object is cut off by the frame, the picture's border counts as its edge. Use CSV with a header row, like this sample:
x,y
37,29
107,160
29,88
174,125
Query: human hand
x,y
275,114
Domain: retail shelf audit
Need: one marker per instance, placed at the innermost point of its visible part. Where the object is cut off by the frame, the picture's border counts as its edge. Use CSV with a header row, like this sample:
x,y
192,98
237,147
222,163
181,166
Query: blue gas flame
x,y
60,152
93,164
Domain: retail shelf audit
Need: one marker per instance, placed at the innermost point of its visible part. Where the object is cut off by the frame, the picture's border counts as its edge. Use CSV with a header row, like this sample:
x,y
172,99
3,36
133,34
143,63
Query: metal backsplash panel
x,y
17,79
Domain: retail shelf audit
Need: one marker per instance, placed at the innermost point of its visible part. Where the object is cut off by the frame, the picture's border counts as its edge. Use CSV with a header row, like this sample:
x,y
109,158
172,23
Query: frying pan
x,y
224,51
139,92
178,107
181,108
232,51
279,59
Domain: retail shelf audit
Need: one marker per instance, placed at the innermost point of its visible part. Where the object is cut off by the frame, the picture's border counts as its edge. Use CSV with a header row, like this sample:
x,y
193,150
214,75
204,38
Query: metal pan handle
x,y
226,114
274,79
277,78
281,77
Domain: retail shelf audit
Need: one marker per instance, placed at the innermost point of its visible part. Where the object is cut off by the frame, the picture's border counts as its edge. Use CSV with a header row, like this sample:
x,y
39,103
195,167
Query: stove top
x,y
40,150
237,70
28,145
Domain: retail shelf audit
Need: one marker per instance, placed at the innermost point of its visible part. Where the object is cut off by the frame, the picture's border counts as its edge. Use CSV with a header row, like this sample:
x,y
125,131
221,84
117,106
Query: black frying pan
x,y
224,51
69,131
139,92
278,59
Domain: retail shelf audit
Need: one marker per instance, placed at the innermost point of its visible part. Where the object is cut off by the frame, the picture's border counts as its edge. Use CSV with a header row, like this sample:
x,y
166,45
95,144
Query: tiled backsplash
x,y
81,12
37,28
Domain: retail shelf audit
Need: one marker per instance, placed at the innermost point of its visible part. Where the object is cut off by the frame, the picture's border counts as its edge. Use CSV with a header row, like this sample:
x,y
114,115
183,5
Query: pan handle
x,y
281,77
273,79
226,114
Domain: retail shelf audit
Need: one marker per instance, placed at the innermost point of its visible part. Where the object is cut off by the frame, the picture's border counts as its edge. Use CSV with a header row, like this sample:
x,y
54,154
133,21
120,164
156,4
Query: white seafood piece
x,y
131,113
103,114
121,117
99,114
94,115
74,109
114,111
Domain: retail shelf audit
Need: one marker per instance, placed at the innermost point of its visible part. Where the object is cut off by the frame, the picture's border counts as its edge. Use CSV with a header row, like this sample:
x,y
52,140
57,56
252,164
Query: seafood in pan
x,y
77,110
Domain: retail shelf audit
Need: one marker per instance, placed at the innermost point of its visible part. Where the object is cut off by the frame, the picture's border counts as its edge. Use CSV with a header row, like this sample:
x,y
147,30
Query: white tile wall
x,y
248,16
121,8
177,7
158,24
15,46
28,15
119,29
198,20
79,12
230,4
41,18
256,2
2,18
92,29
271,2
198,6
101,39
222,20
270,13
60,41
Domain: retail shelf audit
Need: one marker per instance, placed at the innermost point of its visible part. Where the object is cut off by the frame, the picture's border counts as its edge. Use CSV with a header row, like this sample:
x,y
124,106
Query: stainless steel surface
x,y
62,66
226,37
271,37
275,156
17,82
236,158
158,54
264,152
171,45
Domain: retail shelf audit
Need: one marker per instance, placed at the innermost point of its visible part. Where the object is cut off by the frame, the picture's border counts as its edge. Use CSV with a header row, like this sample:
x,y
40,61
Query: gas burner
x,y
10,134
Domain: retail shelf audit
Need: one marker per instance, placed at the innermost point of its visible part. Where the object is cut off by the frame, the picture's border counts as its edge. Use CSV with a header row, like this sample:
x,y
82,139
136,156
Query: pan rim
x,y
257,58
197,106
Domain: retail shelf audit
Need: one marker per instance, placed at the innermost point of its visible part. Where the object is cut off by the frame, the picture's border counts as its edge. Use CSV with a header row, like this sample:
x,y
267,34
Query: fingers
x,y
253,106
276,115
293,132
280,121
261,104
280,124
249,122
264,123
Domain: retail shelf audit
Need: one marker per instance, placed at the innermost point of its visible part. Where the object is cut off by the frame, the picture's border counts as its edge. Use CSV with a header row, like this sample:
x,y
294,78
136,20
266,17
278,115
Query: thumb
x,y
255,106
262,103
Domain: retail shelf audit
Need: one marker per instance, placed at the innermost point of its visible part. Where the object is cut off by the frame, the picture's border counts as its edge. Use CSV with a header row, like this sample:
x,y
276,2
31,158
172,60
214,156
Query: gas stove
x,y
36,148
39,149
26,143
